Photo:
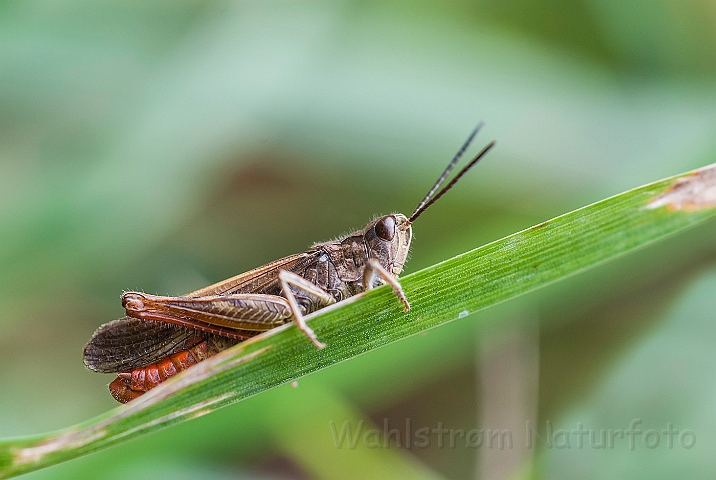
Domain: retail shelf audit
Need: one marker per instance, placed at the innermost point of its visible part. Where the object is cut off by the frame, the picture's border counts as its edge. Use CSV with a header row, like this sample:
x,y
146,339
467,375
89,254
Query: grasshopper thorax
x,y
388,241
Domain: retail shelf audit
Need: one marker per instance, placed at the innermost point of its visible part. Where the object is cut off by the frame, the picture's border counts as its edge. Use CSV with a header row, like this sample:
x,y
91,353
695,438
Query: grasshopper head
x,y
388,240
388,237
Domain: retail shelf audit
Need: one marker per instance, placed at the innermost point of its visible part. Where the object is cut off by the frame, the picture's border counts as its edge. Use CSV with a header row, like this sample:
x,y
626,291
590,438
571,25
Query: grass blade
x,y
494,273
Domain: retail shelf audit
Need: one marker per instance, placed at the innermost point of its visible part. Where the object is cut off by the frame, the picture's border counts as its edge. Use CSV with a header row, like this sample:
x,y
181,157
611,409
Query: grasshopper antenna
x,y
428,201
448,169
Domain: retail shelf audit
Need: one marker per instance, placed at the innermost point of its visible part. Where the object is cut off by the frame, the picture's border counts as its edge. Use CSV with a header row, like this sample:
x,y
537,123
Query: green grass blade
x,y
494,273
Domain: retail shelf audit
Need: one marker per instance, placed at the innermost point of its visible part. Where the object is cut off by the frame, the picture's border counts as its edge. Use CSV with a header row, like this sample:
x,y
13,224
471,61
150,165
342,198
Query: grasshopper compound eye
x,y
385,228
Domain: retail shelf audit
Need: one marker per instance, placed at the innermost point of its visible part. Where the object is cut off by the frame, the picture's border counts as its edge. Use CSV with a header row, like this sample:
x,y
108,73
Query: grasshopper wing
x,y
128,343
147,337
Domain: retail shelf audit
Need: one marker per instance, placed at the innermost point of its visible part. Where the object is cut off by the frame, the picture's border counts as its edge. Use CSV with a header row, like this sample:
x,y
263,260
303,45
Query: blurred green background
x,y
162,146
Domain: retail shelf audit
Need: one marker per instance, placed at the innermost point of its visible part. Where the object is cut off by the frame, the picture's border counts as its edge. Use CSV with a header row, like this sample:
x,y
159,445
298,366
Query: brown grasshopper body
x,y
161,336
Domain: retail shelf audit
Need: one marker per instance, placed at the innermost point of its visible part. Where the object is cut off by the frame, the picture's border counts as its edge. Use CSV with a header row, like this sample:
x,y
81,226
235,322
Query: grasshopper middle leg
x,y
289,279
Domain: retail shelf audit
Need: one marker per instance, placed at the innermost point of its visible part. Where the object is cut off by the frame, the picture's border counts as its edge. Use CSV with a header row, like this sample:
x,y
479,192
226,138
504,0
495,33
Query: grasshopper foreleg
x,y
372,269
288,280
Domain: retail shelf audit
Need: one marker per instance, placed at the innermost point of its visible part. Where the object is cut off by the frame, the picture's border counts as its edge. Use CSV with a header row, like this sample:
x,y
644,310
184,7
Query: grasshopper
x,y
161,336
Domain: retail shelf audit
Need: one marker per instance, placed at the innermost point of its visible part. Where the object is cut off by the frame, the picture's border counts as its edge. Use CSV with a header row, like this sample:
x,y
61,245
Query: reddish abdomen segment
x,y
130,385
